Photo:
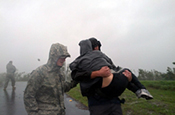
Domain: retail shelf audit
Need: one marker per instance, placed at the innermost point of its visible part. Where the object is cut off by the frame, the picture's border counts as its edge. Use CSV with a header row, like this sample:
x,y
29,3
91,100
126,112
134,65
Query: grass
x,y
162,104
75,93
164,85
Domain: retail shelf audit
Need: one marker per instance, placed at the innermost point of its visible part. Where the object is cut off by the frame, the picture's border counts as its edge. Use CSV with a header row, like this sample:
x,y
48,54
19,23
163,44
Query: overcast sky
x,y
138,34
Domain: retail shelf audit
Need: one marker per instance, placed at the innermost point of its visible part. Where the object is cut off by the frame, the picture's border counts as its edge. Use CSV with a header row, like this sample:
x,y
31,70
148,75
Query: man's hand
x,y
103,72
128,75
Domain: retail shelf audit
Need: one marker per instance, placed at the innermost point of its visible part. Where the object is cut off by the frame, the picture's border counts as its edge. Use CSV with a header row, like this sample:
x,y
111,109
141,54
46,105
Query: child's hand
x,y
128,75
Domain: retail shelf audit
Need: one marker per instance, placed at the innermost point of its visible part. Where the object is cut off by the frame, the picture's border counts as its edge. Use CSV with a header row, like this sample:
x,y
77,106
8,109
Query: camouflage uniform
x,y
44,93
10,75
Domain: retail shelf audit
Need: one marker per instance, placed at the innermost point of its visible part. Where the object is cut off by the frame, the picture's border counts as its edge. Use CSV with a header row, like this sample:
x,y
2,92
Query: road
x,y
11,102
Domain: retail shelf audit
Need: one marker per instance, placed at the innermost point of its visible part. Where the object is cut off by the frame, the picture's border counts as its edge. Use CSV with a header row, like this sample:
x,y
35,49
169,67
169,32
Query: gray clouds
x,y
135,34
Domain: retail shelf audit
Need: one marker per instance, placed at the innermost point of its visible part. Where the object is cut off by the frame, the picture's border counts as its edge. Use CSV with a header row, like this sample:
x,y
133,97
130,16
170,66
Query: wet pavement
x,y
75,108
11,102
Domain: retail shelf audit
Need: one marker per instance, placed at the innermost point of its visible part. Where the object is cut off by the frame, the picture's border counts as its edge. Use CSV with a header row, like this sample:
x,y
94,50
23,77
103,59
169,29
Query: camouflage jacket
x,y
46,86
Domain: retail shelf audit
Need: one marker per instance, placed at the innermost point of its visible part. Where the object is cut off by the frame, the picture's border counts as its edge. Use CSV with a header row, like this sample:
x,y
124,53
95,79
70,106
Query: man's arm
x,y
69,85
80,75
14,69
103,72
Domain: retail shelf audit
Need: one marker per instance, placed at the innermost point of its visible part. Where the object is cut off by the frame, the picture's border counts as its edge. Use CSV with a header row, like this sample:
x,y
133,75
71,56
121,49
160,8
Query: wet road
x,y
11,102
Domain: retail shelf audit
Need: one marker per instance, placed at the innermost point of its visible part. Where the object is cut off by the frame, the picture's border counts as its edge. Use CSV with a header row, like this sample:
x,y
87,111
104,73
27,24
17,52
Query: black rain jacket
x,y
90,60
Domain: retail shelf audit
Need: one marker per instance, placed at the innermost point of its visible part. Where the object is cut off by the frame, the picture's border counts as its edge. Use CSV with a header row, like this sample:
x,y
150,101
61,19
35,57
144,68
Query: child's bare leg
x,y
107,80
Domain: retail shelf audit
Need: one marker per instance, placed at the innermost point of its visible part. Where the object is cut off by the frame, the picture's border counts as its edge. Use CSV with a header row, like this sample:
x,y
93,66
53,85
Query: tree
x,y
142,75
150,75
170,74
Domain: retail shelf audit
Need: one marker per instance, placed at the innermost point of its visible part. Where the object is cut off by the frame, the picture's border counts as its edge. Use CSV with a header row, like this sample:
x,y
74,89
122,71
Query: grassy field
x,y
162,104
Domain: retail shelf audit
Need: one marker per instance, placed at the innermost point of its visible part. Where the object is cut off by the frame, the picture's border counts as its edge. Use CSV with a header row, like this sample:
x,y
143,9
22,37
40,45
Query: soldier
x,y
44,93
10,75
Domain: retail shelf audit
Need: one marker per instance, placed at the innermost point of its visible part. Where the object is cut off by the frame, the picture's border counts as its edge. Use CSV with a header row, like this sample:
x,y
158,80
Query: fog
x,y
134,34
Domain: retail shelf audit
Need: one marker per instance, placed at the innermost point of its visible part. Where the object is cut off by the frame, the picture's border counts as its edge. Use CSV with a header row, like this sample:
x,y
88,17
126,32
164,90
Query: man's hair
x,y
95,43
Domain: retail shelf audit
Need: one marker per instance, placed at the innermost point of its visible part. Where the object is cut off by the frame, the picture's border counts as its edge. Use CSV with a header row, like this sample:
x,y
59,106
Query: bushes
x,y
155,75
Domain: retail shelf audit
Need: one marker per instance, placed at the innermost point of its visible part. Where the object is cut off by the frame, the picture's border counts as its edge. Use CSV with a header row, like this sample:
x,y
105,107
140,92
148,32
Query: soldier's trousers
x,y
9,76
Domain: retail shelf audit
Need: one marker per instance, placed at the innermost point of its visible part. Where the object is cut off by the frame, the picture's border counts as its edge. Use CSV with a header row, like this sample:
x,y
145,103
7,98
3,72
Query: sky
x,y
137,34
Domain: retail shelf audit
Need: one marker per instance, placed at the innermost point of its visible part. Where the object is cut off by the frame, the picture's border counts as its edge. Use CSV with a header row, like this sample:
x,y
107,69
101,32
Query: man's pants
x,y
9,76
106,109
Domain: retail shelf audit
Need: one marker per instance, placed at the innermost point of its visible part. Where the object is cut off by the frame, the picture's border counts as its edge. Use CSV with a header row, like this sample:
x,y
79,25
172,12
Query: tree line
x,y
142,74
155,75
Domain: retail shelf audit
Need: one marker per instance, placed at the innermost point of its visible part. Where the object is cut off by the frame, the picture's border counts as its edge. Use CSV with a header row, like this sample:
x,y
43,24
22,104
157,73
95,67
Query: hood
x,y
85,46
57,50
